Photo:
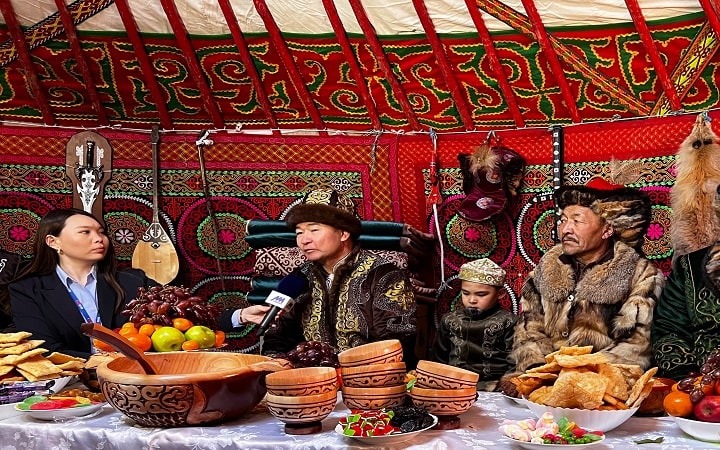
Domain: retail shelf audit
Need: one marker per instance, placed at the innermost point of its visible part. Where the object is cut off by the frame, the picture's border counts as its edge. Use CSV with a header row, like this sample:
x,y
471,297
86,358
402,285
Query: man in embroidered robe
x,y
354,296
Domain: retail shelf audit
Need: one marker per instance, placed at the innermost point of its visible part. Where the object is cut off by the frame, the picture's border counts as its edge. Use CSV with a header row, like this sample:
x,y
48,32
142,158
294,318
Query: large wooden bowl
x,y
192,388
373,353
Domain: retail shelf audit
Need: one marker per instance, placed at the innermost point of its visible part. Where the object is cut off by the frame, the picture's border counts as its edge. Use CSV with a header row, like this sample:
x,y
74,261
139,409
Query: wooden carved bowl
x,y
374,397
443,402
435,375
373,353
192,388
301,409
302,381
374,375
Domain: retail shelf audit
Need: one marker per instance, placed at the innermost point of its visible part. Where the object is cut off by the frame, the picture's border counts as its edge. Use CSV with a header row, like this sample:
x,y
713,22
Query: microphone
x,y
289,287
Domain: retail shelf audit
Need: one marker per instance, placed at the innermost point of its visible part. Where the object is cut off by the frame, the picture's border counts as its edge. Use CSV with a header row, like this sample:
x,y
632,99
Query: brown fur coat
x,y
613,308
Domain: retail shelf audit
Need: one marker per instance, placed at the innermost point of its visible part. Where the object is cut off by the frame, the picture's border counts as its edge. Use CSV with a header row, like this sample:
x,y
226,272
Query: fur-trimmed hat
x,y
482,271
628,210
326,206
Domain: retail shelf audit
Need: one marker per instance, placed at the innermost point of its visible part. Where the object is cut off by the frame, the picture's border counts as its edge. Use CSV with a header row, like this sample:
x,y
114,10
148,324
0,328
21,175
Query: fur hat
x,y
326,206
628,210
482,271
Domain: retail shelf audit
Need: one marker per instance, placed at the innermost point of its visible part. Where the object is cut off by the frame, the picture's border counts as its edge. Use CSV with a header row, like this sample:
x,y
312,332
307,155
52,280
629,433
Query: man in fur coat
x,y
594,287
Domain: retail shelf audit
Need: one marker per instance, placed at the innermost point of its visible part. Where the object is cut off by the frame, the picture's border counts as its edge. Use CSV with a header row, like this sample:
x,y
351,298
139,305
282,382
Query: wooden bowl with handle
x,y
190,388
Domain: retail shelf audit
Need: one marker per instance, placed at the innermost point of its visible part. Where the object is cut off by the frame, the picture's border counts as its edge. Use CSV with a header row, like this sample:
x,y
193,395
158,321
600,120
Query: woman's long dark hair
x,y
45,259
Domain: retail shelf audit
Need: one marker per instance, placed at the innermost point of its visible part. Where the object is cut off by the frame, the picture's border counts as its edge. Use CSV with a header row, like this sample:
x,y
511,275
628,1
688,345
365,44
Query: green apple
x,y
167,339
201,334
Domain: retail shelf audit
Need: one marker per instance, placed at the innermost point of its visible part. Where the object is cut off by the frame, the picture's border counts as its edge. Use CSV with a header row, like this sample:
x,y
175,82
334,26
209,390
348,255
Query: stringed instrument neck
x,y
155,139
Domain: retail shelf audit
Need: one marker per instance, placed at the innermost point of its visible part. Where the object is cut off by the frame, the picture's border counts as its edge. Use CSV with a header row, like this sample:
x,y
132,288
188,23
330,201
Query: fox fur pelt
x,y
695,224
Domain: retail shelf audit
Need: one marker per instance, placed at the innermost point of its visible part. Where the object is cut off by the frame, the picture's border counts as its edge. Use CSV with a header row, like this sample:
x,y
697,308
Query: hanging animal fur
x,y
712,261
490,176
695,224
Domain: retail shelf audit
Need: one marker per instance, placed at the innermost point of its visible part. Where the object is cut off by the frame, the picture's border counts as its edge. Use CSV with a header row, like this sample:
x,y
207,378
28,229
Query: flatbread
x,y
551,367
22,347
60,358
39,367
575,350
14,360
617,386
30,377
71,365
581,360
6,369
14,337
640,385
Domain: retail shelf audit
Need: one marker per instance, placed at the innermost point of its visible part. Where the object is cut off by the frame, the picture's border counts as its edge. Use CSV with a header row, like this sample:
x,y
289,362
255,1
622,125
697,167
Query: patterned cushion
x,y
280,261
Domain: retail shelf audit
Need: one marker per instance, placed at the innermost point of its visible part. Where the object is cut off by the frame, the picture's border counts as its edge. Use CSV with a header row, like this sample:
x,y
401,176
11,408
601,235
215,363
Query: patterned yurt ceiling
x,y
263,66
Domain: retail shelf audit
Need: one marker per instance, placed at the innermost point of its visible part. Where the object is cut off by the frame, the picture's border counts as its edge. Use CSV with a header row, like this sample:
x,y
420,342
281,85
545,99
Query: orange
x,y
182,323
140,341
678,404
219,338
190,345
128,330
103,346
147,329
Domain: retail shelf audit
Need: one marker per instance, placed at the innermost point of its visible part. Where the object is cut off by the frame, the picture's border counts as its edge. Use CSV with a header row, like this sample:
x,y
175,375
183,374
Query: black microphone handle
x,y
268,320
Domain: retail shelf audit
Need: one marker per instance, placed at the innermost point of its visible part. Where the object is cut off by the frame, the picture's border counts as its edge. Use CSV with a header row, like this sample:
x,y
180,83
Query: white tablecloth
x,y
259,430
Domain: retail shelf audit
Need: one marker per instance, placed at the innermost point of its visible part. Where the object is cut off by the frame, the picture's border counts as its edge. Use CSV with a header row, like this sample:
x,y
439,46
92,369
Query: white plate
x,y
388,439
532,446
589,419
704,431
61,413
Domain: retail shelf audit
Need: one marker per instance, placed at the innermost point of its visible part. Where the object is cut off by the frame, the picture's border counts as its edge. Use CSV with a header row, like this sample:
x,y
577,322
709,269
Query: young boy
x,y
479,335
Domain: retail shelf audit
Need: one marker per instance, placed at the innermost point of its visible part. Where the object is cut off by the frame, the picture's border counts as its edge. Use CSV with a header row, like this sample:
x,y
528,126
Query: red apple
x,y
708,409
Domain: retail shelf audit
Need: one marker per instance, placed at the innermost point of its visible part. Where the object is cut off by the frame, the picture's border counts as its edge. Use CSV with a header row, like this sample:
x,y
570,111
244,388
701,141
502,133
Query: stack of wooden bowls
x,y
373,375
445,391
302,397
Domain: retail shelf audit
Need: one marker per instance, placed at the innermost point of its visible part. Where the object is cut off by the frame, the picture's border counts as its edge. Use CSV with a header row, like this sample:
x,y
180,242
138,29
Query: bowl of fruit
x,y
694,402
170,318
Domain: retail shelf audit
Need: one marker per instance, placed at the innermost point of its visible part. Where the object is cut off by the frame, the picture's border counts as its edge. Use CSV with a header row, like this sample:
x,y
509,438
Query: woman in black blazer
x,y
73,279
